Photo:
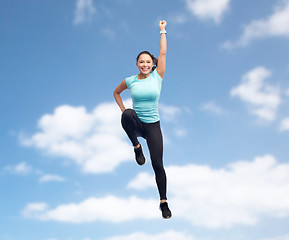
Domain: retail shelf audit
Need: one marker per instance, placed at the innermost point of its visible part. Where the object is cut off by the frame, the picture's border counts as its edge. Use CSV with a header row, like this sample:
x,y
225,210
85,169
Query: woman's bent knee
x,y
127,113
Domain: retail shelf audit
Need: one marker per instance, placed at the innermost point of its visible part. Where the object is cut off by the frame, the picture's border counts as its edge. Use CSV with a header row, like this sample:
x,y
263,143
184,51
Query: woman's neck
x,y
143,76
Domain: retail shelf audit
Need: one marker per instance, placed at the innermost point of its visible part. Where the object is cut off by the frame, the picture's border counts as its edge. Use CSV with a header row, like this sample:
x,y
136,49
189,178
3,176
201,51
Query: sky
x,y
67,169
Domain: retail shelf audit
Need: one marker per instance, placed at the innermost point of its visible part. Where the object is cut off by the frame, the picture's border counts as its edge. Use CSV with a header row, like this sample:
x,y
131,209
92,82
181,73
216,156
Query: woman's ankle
x,y
137,146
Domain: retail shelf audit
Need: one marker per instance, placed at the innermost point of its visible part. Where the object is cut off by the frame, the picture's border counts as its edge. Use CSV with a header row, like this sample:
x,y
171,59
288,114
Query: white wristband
x,y
163,31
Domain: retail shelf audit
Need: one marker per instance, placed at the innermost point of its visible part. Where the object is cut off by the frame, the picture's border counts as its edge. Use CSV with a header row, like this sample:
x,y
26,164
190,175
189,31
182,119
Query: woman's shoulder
x,y
130,79
132,76
156,75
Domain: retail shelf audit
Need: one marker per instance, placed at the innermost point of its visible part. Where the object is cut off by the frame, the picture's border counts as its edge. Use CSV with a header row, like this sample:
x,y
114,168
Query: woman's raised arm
x,y
163,49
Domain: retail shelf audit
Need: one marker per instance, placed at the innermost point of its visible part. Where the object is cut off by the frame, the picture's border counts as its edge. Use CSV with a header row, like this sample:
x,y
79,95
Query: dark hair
x,y
155,60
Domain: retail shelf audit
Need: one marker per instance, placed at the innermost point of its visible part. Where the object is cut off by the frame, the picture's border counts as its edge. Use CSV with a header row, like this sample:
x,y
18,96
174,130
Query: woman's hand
x,y
163,25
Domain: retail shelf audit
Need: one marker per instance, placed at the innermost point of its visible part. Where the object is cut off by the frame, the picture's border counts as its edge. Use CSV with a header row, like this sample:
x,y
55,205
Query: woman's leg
x,y
133,128
132,125
155,144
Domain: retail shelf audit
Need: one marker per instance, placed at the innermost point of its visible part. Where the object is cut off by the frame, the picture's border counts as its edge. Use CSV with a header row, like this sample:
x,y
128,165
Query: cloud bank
x,y
169,235
240,193
275,25
208,9
284,126
21,168
93,140
51,178
85,138
84,11
212,107
262,99
109,209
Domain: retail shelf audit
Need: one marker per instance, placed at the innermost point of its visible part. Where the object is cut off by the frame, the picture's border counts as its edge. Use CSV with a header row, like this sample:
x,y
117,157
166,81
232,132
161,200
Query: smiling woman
x,y
143,120
144,62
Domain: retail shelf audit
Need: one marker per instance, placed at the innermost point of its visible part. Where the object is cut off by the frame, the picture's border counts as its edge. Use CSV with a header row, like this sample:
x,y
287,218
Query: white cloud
x,y
34,210
87,138
169,113
142,182
212,107
94,140
263,99
22,168
84,11
285,237
180,132
109,33
176,19
169,235
275,25
241,193
284,126
110,208
50,178
208,9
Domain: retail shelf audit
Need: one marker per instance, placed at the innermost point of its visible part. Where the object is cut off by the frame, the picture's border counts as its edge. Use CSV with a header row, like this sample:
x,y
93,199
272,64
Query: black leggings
x,y
152,133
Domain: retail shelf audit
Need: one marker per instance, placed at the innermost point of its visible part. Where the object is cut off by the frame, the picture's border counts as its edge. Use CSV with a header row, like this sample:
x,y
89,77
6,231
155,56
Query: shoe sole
x,y
143,163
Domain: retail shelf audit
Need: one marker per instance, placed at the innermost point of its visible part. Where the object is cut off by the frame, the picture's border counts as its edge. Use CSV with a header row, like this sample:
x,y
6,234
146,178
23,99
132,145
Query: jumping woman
x,y
143,120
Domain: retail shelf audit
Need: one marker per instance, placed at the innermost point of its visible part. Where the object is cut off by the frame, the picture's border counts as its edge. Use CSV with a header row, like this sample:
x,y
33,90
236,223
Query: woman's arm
x,y
163,50
116,93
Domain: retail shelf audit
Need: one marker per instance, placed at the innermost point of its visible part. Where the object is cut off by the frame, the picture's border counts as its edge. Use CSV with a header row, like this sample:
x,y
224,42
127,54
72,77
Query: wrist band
x,y
163,31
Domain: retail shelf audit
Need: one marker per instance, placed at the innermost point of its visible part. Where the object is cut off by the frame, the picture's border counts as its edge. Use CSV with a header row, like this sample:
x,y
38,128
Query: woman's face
x,y
145,64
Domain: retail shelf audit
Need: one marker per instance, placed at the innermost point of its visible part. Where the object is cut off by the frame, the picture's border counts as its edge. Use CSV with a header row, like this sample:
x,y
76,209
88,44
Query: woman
x,y
143,120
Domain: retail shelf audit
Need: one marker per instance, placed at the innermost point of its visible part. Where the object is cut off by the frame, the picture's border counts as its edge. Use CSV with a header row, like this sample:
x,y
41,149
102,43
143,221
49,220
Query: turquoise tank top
x,y
145,94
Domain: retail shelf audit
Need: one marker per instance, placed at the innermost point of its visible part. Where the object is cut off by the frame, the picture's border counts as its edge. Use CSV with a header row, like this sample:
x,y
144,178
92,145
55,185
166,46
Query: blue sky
x,y
67,169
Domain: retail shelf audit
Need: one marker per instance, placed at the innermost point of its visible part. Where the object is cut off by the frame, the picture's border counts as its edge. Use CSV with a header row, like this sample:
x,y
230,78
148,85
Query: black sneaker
x,y
139,157
166,212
